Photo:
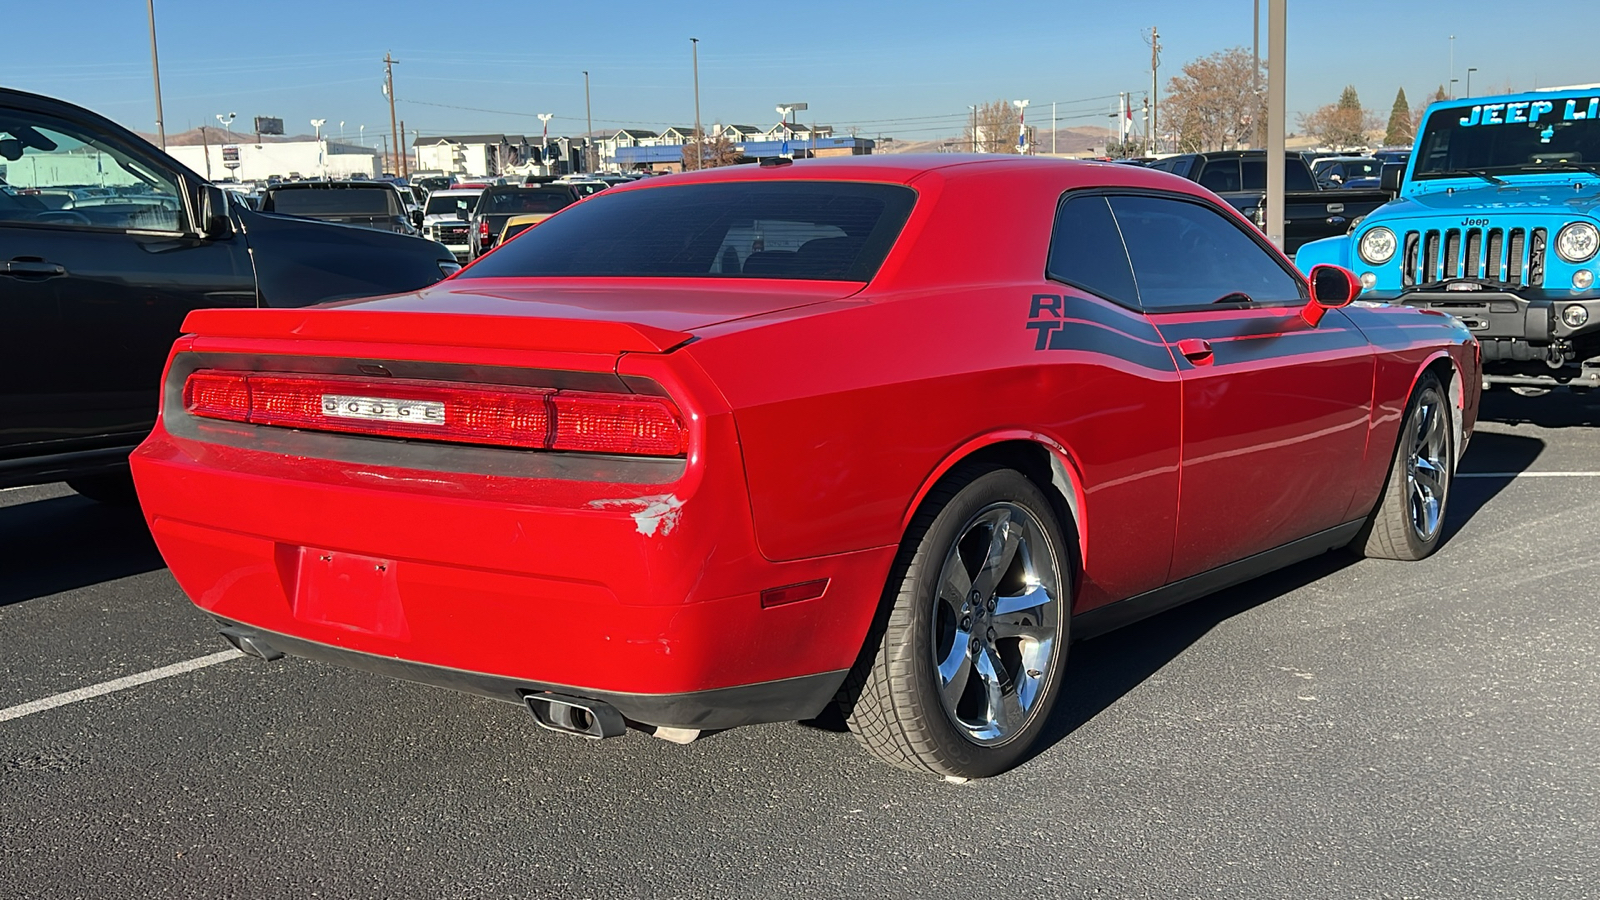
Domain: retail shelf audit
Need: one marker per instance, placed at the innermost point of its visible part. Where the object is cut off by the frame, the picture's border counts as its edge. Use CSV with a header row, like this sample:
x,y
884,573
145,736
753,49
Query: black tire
x,y
111,488
1395,528
892,700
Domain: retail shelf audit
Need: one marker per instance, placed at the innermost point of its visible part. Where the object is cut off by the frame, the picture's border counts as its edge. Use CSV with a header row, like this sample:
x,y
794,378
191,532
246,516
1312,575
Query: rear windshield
x,y
525,202
375,201
821,230
451,204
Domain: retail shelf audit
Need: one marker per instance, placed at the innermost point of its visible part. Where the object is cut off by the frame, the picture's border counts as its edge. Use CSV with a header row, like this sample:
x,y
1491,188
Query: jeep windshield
x,y
1513,138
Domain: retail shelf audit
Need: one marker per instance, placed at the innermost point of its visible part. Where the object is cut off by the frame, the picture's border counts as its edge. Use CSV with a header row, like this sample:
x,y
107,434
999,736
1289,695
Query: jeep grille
x,y
1497,256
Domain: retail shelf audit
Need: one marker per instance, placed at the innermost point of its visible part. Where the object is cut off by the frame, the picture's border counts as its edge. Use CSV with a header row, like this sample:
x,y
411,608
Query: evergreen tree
x,y
1400,132
1348,100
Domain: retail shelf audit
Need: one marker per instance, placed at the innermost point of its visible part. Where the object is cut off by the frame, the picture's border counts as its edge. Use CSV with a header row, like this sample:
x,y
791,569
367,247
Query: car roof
x,y
333,185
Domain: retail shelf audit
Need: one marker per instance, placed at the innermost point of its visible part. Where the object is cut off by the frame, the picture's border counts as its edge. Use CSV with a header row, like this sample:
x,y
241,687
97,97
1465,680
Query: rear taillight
x,y
494,415
483,231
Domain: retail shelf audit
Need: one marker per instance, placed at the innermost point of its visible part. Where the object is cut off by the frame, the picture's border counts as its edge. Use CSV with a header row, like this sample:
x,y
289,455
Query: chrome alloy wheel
x,y
1428,469
996,620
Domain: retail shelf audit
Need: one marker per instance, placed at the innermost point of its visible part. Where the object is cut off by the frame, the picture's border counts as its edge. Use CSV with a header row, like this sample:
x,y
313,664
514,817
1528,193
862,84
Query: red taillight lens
x,y
483,230
504,416
217,395
610,423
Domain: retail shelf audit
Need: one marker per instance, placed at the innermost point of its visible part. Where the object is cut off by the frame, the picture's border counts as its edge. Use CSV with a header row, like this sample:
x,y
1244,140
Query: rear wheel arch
x,y
1046,463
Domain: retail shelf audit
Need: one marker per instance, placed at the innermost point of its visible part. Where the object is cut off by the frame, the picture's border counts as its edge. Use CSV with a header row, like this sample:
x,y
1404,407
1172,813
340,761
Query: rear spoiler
x,y
433,328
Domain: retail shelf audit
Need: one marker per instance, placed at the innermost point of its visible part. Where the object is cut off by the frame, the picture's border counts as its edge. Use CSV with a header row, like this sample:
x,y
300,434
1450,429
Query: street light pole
x,y
544,139
699,141
1452,67
1469,80
155,71
1277,84
588,137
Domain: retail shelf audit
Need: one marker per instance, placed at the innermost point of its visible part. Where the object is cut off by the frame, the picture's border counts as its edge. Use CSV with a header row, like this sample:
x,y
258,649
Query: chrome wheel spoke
x,y
956,584
956,670
1002,551
1035,597
1022,625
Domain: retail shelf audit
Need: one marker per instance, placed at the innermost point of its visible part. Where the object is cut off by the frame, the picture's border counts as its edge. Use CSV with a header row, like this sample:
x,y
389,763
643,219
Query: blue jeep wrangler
x,y
1497,222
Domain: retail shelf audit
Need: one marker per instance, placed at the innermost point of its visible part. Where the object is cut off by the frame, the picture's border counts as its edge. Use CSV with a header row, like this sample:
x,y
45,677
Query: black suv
x,y
106,243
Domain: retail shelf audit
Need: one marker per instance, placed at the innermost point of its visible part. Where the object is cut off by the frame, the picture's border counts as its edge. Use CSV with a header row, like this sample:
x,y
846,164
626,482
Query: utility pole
x,y
388,88
588,136
1277,40
405,152
699,141
155,70
1052,128
974,129
1155,65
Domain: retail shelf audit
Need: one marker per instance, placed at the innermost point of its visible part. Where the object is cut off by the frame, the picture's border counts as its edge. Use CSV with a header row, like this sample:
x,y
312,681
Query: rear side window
x,y
1086,251
1186,254
1294,175
820,230
526,202
335,202
1220,175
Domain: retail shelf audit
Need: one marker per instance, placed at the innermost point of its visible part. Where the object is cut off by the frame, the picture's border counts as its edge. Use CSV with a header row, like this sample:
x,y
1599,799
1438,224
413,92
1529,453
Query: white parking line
x,y
1528,474
116,684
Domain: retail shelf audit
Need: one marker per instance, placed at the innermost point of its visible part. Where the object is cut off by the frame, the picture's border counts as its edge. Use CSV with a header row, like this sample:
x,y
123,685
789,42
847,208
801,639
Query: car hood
x,y
1534,196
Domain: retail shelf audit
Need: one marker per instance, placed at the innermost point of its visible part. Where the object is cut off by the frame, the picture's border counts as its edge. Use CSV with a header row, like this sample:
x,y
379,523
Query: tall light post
x,y
544,138
699,141
588,136
1469,79
155,71
1022,125
1452,67
317,124
362,134
1277,89
341,129
227,123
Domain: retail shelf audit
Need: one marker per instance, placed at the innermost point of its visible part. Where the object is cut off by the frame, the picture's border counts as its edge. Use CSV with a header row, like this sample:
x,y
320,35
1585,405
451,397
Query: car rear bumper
x,y
600,589
789,699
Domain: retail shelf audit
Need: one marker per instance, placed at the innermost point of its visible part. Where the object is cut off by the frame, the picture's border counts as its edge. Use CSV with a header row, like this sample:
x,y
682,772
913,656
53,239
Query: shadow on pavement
x,y
1100,671
70,542
1560,408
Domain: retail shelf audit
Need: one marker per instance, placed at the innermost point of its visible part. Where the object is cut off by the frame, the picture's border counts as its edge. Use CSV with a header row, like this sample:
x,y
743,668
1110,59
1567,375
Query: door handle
x,y
1196,351
32,267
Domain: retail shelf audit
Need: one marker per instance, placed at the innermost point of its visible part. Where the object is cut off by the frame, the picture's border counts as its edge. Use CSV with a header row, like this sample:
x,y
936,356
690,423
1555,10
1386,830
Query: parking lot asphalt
x,y
1340,729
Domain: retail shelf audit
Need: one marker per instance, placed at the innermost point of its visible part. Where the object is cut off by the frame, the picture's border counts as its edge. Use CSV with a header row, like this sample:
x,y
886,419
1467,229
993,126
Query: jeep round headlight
x,y
1577,242
1377,245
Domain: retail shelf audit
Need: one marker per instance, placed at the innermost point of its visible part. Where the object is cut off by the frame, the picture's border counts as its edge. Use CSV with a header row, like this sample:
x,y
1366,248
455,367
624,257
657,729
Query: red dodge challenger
x,y
728,447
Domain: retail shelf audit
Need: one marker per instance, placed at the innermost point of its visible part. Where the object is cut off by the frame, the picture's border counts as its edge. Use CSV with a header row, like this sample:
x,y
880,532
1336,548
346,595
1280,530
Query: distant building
x,y
244,160
481,155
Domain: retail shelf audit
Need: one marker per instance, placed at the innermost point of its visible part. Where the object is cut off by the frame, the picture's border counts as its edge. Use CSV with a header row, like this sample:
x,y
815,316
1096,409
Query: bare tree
x,y
1213,105
1421,109
1342,124
997,128
714,151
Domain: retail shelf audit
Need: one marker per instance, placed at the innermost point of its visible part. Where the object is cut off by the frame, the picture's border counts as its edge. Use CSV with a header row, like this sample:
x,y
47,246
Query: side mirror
x,y
1393,175
416,217
214,224
461,215
1331,288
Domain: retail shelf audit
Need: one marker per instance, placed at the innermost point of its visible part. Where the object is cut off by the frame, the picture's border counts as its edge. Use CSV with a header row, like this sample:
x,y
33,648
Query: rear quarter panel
x,y
846,410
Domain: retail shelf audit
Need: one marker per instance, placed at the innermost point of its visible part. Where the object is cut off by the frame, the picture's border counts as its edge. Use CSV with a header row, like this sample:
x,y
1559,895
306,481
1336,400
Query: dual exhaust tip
x,y
574,715
584,718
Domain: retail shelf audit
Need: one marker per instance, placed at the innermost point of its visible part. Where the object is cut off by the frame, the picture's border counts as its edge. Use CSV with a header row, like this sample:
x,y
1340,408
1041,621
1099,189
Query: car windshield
x,y
820,230
376,201
450,204
499,203
1511,138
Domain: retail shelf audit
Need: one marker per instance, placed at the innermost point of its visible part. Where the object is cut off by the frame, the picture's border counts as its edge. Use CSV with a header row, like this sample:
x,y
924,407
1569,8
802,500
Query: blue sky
x,y
901,69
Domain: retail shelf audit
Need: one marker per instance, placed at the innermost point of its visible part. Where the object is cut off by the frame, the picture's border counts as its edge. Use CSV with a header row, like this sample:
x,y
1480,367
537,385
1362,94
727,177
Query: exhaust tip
x,y
574,715
250,644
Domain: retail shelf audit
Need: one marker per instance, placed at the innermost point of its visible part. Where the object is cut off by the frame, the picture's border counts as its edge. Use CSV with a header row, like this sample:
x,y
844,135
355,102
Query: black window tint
x,y
1220,175
500,202
376,201
823,230
1187,254
1087,250
1294,175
